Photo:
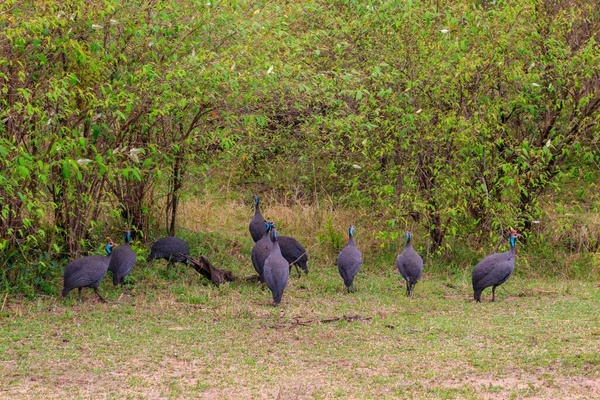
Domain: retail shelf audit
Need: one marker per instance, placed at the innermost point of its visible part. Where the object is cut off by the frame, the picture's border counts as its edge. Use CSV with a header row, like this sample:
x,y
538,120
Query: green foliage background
x,y
460,118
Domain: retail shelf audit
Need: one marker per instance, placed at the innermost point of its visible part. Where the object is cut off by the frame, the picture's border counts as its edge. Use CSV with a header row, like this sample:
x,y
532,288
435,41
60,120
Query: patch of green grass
x,y
183,337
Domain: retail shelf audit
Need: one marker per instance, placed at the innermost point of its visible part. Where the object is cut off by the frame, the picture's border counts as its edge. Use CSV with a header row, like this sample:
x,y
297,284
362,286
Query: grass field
x,y
176,335
186,339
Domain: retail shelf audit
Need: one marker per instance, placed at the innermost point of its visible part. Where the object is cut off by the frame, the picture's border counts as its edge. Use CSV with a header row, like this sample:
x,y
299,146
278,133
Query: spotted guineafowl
x,y
276,271
410,265
294,253
257,223
122,260
171,249
349,261
261,250
494,270
87,272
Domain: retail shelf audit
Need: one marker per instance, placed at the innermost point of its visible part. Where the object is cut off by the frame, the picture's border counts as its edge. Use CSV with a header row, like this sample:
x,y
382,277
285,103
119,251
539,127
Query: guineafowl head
x,y
109,246
351,231
255,200
513,237
127,236
269,225
408,236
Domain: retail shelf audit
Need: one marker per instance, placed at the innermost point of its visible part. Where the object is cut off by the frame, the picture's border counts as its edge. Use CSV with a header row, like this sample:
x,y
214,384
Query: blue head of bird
x,y
408,236
351,231
109,246
513,237
269,225
274,234
127,236
255,200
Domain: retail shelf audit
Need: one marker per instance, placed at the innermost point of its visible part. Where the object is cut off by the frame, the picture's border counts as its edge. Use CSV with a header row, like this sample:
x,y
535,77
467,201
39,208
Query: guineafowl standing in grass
x,y
294,253
276,271
261,250
410,265
257,223
494,270
122,260
171,249
349,261
87,272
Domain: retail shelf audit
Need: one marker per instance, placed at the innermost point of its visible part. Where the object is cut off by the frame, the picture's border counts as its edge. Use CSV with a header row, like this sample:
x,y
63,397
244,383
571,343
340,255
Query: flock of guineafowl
x,y
273,257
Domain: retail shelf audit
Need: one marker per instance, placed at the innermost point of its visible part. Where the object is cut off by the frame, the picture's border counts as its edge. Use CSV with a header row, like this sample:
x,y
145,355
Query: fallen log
x,y
206,269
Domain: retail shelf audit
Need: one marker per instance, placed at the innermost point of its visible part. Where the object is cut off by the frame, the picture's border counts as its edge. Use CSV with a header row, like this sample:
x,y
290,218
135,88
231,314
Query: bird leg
x,y
98,293
493,293
298,270
79,294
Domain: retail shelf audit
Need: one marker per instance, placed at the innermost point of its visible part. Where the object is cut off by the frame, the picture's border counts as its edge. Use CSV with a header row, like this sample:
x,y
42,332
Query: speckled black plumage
x,y
276,271
494,270
293,252
410,265
169,248
86,272
257,223
349,261
261,250
122,260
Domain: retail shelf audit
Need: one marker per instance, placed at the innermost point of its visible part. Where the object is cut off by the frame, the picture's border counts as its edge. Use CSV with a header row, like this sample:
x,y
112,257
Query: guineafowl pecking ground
x,y
257,223
261,250
349,261
276,271
122,260
294,253
410,265
171,249
291,250
87,272
494,270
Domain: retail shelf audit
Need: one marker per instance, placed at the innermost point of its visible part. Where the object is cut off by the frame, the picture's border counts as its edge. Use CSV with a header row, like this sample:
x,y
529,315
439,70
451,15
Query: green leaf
x,y
66,172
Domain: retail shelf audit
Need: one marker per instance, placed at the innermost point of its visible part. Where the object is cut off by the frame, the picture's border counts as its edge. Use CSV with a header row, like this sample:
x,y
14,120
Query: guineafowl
x,y
349,261
494,270
294,253
410,265
257,223
122,260
276,271
261,250
87,272
171,249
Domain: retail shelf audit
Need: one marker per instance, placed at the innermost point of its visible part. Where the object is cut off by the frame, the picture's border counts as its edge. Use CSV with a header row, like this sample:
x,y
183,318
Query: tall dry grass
x,y
560,245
